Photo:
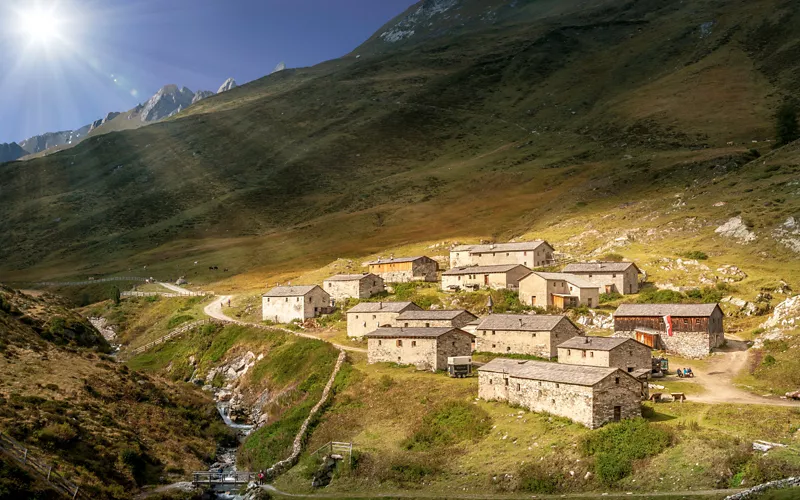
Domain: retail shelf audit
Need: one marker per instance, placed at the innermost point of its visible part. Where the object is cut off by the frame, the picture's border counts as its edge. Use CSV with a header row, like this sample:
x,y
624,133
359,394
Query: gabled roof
x,y
395,260
595,343
508,247
396,307
521,322
351,277
599,267
550,372
569,278
679,310
291,291
503,268
433,315
420,333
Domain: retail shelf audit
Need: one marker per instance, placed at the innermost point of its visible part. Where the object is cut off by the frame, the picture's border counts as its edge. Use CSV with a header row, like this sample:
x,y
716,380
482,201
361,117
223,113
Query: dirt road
x,y
215,310
716,377
174,288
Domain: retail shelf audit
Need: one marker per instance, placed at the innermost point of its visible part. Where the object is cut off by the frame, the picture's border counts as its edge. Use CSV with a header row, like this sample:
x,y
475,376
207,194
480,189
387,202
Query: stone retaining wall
x,y
754,492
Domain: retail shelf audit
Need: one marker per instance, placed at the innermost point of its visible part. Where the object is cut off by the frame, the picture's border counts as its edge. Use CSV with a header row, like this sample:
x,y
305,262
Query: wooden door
x,y
617,413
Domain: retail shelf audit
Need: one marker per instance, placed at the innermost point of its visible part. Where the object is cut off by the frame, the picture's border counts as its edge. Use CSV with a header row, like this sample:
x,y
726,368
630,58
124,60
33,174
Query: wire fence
x,y
26,457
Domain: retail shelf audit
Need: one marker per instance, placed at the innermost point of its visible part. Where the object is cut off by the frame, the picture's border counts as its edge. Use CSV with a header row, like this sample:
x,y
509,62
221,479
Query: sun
x,y
39,25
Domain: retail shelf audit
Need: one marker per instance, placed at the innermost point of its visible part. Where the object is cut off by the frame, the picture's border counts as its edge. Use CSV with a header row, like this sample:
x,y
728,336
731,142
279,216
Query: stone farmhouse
x,y
353,286
366,317
620,277
425,348
405,269
434,319
475,277
559,290
535,335
590,395
690,330
528,253
284,304
610,352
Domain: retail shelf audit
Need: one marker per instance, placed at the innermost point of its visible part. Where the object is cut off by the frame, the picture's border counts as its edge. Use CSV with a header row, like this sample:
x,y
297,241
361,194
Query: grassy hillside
x,y
104,427
536,115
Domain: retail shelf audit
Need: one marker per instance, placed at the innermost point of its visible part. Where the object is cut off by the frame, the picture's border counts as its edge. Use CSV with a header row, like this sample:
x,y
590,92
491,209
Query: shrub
x,y
451,423
507,301
768,360
58,435
656,296
535,478
695,254
612,257
385,382
411,470
609,297
616,446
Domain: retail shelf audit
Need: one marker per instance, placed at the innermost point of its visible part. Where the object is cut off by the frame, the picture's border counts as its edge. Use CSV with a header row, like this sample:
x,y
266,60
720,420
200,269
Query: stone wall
x,y
537,291
632,356
360,324
459,321
543,344
452,344
756,491
584,357
624,283
537,258
496,281
459,259
355,289
419,352
686,344
287,309
590,406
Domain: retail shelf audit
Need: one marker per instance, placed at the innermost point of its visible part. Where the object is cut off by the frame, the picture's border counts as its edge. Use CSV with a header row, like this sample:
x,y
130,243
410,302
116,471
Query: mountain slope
x,y
484,125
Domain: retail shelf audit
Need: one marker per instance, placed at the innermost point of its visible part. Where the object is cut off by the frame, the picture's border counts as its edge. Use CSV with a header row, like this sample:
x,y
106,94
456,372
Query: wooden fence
x,y
89,282
232,478
165,294
26,457
337,448
171,335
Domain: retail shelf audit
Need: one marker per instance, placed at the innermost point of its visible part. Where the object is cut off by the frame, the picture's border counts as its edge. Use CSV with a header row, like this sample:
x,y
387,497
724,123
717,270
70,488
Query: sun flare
x,y
39,25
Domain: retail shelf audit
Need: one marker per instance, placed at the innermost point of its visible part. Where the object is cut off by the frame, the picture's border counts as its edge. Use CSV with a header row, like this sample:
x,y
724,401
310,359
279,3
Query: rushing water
x,y
226,457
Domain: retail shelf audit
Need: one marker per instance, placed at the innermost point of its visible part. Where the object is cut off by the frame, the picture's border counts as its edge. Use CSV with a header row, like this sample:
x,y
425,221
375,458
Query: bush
x,y
385,382
58,435
507,301
616,446
695,254
656,296
451,423
612,257
536,478
768,360
609,297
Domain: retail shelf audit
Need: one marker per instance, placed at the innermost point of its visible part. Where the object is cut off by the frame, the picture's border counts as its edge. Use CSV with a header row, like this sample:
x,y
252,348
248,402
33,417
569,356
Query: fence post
x,y
76,493
25,456
49,470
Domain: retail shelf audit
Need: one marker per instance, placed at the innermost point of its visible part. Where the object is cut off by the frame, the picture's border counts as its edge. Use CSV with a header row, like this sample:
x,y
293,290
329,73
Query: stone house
x,y
494,277
535,335
435,319
369,316
610,352
405,269
589,395
528,253
559,290
425,348
620,277
284,304
689,330
353,286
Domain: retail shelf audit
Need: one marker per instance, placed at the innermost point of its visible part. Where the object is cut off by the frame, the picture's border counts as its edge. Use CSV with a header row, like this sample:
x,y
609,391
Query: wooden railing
x,y
124,355
337,448
25,456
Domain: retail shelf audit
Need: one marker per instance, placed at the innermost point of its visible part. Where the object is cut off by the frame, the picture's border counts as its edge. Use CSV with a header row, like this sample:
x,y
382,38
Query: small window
x,y
380,342
569,352
552,401
427,325
267,299
413,343
374,316
399,343
508,349
454,344
356,316
583,354
491,382
494,346
685,322
590,275
507,254
405,324
558,385
534,334
591,354
519,387
493,332
630,369
616,380
613,275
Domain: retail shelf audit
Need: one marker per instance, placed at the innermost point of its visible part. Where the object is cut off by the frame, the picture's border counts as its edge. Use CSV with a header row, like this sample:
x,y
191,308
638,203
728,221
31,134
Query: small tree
x,y
115,295
787,128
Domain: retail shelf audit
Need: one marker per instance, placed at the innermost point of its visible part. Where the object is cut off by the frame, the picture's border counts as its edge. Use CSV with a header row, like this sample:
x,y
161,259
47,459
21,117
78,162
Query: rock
x,y
785,316
720,204
192,360
168,101
201,94
224,395
227,85
736,229
280,67
788,234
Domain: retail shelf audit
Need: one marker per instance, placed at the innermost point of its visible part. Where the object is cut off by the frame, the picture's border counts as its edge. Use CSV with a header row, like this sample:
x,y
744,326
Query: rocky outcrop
x,y
103,121
406,28
39,143
785,316
229,84
736,229
788,234
595,320
168,101
280,67
201,94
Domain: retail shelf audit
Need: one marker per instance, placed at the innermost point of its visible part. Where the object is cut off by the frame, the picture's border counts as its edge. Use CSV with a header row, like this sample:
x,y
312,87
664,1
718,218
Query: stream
x,y
226,457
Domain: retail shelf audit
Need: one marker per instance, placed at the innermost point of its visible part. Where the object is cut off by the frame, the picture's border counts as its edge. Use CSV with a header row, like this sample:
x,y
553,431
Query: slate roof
x,y
433,315
550,372
599,267
679,310
398,307
521,322
503,268
594,343
508,247
290,291
569,278
350,277
394,260
419,333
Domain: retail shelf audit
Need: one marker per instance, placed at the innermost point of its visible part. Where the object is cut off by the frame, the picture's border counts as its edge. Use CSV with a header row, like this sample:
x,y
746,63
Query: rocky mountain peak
x,y
166,102
229,84
201,94
280,67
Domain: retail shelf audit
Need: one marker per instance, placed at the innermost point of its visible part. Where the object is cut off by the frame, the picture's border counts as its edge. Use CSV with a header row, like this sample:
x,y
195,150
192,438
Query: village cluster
x,y
595,380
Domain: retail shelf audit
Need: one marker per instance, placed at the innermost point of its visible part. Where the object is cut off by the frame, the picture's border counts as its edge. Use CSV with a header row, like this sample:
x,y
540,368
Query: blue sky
x,y
66,63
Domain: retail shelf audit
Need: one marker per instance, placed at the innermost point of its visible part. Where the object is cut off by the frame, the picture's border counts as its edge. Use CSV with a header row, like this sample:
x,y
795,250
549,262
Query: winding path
x,y
215,310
